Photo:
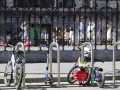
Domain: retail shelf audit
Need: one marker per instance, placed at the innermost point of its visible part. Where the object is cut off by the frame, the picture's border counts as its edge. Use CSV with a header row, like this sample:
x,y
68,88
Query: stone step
x,y
38,78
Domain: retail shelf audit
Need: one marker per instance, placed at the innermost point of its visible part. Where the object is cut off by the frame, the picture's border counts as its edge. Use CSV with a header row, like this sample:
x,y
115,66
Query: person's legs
x,y
114,36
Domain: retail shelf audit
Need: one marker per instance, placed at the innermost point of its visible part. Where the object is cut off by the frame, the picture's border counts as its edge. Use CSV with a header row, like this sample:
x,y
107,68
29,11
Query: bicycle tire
x,y
20,78
68,75
51,80
102,81
8,82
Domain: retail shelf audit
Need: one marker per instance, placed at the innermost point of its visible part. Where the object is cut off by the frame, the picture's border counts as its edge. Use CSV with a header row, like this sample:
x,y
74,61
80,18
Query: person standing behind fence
x,y
114,34
66,34
24,27
109,32
71,36
81,28
90,31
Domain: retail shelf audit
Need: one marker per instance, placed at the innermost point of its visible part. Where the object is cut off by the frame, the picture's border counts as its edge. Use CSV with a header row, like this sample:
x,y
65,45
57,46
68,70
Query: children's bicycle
x,y
14,69
81,72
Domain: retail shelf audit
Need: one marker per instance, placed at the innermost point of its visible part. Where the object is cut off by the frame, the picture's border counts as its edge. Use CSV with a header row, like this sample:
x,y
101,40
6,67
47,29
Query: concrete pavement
x,y
64,86
36,72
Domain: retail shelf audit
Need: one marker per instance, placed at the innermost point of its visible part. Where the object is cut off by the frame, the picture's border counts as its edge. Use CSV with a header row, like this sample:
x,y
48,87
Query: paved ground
x,y
64,86
34,70
64,67
37,70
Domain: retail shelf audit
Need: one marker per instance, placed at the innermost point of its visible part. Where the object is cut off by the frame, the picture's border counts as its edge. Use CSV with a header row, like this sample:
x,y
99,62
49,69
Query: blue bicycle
x,y
99,76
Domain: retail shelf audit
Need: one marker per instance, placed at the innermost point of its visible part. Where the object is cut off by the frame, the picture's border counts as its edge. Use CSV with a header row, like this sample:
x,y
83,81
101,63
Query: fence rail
x,y
68,22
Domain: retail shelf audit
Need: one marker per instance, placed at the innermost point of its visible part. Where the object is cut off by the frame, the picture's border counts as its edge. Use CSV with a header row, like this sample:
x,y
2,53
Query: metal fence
x,y
68,22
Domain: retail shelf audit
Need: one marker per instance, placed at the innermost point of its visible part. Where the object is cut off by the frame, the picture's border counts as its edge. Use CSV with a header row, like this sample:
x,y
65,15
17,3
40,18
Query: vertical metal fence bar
x,y
85,17
112,21
11,22
17,17
101,39
106,13
79,39
95,24
117,18
57,15
63,24
90,26
68,16
5,18
40,17
74,16
23,21
34,18
52,20
29,18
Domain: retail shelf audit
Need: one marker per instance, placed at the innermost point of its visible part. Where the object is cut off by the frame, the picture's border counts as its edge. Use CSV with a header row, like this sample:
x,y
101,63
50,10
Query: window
x,y
64,3
44,3
2,3
33,3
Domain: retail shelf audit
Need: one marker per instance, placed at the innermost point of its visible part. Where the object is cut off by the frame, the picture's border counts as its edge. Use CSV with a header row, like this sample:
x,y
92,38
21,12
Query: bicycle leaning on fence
x,y
16,67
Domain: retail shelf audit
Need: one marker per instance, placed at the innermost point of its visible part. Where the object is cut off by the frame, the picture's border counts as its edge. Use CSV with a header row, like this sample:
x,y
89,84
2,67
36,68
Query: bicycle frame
x,y
13,58
95,75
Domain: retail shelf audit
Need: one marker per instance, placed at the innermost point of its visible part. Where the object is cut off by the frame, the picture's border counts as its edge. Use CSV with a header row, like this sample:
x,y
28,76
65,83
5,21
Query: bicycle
x,y
82,72
15,65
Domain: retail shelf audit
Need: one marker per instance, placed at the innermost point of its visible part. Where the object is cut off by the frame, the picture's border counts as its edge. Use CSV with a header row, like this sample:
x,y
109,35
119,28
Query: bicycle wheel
x,y
70,78
50,82
101,80
85,83
19,75
8,75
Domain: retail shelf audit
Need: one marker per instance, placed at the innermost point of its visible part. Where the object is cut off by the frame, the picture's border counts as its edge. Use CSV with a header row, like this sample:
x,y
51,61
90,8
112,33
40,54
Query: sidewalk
x,y
64,86
36,72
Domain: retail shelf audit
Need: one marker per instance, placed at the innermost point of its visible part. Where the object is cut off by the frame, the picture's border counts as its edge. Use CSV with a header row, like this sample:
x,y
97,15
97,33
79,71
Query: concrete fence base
x,y
65,56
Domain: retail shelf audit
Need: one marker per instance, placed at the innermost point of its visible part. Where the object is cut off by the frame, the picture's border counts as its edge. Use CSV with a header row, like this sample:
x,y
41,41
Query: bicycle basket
x,y
80,75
